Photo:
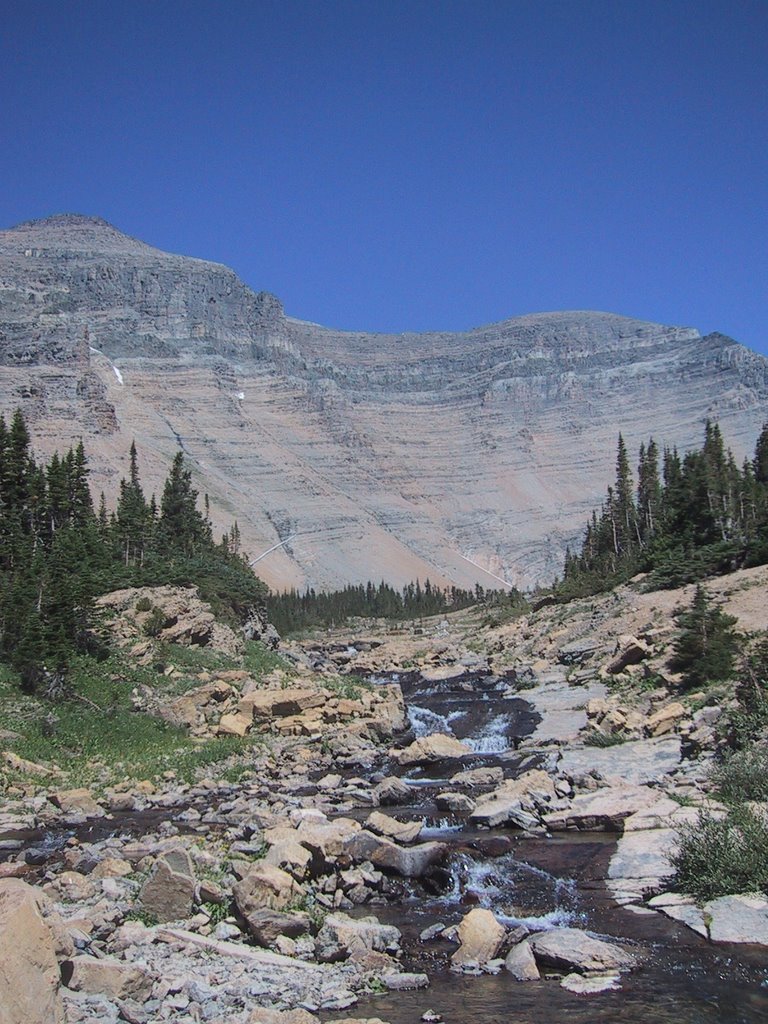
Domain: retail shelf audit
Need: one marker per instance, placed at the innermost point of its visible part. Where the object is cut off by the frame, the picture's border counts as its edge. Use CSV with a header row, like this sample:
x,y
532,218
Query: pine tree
x,y
707,646
181,525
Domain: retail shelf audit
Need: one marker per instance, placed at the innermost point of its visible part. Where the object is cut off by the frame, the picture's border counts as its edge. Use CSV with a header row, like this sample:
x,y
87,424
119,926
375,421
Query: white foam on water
x,y
493,739
425,722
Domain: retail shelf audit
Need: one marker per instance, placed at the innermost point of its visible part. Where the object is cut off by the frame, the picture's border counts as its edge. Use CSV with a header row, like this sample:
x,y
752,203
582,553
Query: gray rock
x,y
521,963
169,891
572,949
411,861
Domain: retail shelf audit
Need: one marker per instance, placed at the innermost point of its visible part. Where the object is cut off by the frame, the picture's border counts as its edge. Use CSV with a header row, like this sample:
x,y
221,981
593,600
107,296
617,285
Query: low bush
x,y
743,776
722,856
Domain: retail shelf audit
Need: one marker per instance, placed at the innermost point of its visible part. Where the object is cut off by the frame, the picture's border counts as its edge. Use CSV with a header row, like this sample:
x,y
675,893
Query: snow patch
x,y
118,375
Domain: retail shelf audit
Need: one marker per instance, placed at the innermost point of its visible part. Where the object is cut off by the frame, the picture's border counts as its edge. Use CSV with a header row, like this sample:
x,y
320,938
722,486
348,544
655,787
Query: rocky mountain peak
x,y
455,456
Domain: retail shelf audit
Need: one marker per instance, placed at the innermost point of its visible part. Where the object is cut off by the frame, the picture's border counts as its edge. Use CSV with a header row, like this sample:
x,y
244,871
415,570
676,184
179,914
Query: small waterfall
x,y
493,739
424,722
516,892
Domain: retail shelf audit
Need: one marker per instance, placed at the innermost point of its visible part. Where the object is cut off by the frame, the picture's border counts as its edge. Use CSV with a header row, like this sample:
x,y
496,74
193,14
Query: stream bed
x,y
541,882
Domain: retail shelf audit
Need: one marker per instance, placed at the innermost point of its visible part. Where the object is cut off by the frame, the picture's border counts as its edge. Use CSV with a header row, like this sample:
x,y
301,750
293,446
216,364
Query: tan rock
x,y
265,885
77,801
480,936
437,747
521,963
110,977
112,867
665,719
237,724
400,831
262,1015
29,972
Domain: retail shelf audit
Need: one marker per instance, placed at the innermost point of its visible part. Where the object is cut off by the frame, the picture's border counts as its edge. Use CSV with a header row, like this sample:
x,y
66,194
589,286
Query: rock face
x,y
298,430
29,973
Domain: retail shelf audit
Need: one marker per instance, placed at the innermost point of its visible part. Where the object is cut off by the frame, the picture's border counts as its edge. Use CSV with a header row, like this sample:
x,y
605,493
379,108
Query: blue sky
x,y
412,165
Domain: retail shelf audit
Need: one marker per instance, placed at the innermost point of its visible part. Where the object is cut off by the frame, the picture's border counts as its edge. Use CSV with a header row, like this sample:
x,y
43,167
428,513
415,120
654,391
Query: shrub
x,y
722,856
743,776
155,622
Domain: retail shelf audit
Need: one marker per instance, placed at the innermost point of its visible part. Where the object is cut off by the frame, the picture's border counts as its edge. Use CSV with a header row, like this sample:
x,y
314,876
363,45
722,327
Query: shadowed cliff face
x,y
382,456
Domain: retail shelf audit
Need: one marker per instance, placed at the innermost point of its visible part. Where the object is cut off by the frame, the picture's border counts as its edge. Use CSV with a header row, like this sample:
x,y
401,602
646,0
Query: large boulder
x,y
521,963
342,936
411,861
110,977
392,791
604,809
268,925
480,938
265,886
437,747
29,972
280,703
77,801
571,949
399,831
170,889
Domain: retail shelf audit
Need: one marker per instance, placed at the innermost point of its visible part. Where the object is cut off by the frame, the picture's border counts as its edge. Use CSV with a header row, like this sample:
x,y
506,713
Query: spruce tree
x,y
707,646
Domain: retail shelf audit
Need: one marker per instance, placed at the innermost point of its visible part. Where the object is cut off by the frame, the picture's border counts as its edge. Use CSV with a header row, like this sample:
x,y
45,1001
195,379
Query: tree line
x,y
57,552
293,611
688,517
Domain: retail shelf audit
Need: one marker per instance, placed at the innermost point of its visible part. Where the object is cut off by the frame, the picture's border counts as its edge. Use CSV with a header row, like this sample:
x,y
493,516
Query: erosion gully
x,y
539,881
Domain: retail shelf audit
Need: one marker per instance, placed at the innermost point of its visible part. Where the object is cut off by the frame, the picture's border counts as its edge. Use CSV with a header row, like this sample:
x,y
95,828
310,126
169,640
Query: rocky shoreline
x,y
269,897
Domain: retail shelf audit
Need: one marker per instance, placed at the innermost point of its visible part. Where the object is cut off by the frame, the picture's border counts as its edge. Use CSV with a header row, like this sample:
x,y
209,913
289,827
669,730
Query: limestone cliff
x,y
382,456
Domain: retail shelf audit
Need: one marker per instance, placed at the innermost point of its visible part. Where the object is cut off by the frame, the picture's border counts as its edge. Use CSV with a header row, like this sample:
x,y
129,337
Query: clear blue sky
x,y
412,165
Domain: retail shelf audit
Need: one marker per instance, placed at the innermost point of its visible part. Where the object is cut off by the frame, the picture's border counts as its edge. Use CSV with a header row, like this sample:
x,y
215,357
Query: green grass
x,y
346,688
96,737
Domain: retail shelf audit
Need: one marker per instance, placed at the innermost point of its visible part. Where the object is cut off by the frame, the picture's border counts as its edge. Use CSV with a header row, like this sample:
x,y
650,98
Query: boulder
x,y
738,919
521,963
605,809
456,803
280,703
437,747
290,855
169,891
479,777
480,938
263,1015
77,801
110,977
665,719
401,832
629,651
265,886
268,925
412,861
392,791
29,972
513,801
571,949
342,936
235,724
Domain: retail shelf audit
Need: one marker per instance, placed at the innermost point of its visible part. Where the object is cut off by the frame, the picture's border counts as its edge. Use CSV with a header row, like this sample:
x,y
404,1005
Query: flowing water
x,y
541,882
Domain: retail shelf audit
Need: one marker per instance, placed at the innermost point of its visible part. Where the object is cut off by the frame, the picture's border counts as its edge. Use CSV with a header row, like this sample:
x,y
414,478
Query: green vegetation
x,y
723,856
604,739
94,733
291,612
706,648
700,516
57,554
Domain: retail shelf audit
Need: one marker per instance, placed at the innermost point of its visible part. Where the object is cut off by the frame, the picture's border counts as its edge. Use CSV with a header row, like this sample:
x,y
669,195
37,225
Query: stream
x,y
540,882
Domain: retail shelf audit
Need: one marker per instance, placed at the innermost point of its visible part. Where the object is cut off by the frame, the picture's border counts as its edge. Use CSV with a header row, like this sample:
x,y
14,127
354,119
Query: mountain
x,y
382,456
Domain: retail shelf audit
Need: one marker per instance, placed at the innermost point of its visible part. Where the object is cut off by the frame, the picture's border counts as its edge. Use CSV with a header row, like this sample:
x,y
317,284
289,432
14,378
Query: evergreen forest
x,y
58,552
293,611
688,517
